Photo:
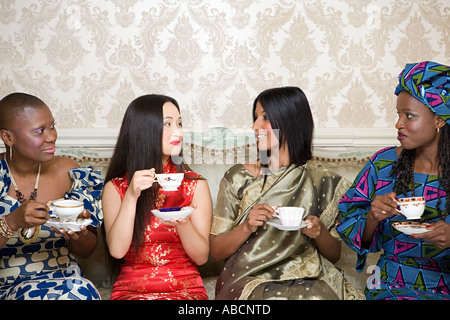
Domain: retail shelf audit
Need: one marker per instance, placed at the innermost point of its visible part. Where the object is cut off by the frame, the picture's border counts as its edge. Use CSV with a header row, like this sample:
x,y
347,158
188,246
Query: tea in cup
x,y
169,181
67,209
290,216
411,208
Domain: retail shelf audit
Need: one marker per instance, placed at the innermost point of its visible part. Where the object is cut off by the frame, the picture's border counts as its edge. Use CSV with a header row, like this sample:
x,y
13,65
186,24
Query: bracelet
x,y
5,230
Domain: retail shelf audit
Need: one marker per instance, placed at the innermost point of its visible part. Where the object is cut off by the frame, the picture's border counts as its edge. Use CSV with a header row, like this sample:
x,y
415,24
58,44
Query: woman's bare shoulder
x,y
60,165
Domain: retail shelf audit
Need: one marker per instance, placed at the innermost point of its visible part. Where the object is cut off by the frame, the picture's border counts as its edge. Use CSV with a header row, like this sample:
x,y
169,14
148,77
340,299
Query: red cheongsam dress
x,y
161,270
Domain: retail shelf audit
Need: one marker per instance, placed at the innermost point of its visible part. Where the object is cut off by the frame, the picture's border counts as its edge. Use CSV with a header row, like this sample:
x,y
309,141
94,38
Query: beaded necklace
x,y
26,235
19,195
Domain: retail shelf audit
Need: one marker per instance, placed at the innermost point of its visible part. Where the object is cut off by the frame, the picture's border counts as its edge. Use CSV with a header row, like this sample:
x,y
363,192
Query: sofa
x,y
95,267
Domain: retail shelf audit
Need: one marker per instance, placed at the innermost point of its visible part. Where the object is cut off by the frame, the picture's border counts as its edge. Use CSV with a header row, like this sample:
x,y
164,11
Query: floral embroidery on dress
x,y
161,269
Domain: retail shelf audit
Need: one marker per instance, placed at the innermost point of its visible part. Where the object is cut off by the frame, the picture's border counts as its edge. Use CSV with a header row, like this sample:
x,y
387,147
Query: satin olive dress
x,y
277,264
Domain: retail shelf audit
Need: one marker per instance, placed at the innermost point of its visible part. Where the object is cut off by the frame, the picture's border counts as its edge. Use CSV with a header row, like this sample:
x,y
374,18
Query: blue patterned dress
x,y
408,268
45,269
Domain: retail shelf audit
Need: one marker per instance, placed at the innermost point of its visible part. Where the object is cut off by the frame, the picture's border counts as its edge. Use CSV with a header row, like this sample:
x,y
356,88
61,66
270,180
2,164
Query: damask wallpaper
x,y
88,59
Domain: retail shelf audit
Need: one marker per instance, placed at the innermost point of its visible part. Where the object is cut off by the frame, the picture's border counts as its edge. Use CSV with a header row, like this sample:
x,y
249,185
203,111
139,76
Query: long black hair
x,y
288,111
402,169
139,147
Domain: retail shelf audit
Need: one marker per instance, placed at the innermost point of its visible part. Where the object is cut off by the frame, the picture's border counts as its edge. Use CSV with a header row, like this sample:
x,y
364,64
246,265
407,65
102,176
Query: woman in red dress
x,y
158,259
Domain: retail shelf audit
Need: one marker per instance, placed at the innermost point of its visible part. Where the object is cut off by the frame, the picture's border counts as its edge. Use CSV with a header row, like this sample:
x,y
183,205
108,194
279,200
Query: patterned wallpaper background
x,y
89,59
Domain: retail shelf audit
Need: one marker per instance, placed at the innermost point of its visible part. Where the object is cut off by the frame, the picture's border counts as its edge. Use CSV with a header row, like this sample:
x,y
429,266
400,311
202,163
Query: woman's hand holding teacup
x,y
383,206
314,227
180,222
439,235
74,235
175,222
70,234
142,180
84,215
258,215
28,215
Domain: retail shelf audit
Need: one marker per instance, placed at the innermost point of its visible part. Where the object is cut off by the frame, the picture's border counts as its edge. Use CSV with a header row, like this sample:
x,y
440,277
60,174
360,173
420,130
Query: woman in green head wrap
x,y
411,266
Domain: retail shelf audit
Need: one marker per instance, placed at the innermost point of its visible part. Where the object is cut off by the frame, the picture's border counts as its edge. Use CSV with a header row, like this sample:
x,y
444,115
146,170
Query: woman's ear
x,y
440,123
6,137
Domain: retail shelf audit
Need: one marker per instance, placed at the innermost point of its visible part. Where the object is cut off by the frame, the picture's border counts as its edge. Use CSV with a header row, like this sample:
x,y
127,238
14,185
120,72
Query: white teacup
x,y
169,181
411,208
290,216
67,209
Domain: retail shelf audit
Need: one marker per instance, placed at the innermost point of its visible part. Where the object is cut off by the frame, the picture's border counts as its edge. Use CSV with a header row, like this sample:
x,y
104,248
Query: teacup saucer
x,y
66,225
410,228
173,213
277,224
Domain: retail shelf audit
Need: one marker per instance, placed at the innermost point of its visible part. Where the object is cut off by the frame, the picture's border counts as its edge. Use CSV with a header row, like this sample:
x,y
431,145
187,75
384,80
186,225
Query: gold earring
x,y
10,153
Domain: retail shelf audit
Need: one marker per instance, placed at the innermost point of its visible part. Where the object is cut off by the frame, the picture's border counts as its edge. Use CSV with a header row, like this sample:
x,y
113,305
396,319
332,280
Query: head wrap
x,y
428,82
